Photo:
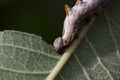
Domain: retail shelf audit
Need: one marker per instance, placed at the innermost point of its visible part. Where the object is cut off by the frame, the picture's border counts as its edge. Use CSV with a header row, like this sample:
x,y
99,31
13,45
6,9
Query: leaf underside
x,y
98,55
25,56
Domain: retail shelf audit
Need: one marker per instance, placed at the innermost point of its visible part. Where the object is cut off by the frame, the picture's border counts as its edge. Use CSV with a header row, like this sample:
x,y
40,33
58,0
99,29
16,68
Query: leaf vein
x,y
98,58
38,63
55,57
85,72
110,62
24,72
114,71
112,34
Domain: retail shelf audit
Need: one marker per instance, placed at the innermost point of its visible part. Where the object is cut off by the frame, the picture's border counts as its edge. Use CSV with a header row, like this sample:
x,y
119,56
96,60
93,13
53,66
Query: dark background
x,y
41,17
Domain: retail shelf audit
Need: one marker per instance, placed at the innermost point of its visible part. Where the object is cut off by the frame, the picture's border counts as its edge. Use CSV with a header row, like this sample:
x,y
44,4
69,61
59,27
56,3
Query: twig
x,y
66,55
74,15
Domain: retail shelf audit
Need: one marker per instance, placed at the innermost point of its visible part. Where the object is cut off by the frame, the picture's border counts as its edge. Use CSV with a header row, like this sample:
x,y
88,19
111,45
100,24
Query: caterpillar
x,y
74,16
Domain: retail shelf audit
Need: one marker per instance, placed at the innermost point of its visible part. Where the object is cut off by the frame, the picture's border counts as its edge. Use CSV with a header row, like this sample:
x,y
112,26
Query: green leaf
x,y
25,56
98,55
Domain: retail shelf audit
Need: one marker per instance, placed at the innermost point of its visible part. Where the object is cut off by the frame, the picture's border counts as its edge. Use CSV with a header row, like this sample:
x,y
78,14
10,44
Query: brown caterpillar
x,y
74,15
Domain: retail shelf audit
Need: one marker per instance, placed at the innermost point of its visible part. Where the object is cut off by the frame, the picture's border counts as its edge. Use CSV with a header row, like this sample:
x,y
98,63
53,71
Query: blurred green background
x,y
41,17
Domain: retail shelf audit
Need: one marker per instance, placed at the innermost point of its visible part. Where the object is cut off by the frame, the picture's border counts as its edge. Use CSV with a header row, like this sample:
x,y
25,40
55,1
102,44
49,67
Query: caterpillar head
x,y
58,44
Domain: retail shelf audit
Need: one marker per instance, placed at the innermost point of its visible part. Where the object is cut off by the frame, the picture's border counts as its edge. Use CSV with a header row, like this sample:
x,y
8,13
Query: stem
x,y
66,55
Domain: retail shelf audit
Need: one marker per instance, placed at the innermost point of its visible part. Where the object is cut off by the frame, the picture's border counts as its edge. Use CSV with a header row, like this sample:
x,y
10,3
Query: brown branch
x,y
74,15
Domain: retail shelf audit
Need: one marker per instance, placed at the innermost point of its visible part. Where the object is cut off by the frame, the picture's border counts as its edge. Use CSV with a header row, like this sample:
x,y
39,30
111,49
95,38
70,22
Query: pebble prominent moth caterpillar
x,y
74,15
